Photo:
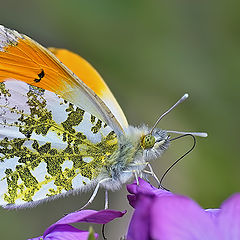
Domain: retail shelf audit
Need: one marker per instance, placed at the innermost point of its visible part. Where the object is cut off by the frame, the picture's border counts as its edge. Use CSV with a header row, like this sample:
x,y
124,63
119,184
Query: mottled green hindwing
x,y
48,146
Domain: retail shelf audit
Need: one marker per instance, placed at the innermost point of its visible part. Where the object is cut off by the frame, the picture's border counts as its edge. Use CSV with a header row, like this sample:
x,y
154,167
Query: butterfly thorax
x,y
131,157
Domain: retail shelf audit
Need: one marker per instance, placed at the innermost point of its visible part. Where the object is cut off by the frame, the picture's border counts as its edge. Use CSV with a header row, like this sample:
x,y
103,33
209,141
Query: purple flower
x,y
61,230
161,215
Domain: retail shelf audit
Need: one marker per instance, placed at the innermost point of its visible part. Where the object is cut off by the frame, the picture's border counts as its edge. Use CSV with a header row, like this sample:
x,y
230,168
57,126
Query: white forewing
x,y
48,146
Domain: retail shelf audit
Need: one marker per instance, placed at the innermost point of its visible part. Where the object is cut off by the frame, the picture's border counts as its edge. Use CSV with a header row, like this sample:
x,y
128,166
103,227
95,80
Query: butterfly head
x,y
155,143
148,141
158,138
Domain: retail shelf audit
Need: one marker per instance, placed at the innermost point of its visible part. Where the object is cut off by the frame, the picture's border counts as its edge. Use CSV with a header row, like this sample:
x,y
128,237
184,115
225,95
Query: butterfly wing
x,y
23,59
85,71
48,146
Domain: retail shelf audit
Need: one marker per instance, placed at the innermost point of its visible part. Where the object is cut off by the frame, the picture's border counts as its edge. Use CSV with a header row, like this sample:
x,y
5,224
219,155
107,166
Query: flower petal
x,y
145,188
213,213
177,217
67,232
100,217
139,227
132,200
134,188
229,218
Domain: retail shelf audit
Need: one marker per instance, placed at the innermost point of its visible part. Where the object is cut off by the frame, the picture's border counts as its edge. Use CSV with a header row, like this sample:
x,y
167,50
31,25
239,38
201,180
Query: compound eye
x,y
148,141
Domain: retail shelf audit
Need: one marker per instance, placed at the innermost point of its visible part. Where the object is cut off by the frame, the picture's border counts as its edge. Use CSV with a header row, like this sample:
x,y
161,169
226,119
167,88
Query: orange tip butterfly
x,y
61,129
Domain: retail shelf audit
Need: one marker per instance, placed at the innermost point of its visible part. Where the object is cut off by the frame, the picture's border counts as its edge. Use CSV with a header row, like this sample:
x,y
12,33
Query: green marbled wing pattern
x,y
48,146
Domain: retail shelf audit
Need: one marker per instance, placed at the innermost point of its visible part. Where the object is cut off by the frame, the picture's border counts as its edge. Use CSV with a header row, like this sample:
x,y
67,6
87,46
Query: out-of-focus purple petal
x,y
61,230
163,215
144,188
139,227
93,216
213,213
132,200
100,217
177,217
229,218
67,232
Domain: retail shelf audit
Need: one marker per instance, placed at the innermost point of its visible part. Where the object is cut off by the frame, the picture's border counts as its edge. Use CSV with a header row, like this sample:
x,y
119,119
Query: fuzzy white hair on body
x,y
131,157
137,147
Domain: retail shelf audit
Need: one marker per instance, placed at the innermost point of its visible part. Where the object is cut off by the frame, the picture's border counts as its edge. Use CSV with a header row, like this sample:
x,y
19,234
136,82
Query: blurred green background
x,y
150,53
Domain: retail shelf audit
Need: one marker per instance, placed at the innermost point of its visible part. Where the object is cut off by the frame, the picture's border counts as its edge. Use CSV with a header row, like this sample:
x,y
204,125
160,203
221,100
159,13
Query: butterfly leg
x,y
106,199
151,172
94,193
136,176
106,207
135,173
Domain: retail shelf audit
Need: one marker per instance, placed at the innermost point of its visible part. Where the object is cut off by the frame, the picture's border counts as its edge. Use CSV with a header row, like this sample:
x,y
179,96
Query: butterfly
x,y
61,129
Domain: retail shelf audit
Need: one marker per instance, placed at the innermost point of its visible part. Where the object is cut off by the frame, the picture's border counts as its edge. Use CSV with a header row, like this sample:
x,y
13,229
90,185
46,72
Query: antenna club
x,y
199,134
183,98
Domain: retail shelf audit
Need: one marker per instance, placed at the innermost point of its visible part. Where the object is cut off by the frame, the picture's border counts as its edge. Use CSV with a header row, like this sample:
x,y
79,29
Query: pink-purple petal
x,y
143,188
229,218
132,200
61,230
213,213
139,227
161,215
178,218
92,216
67,232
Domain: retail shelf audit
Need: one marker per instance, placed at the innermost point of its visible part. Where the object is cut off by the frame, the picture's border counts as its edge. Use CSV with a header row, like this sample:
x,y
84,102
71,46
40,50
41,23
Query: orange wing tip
x,y
83,69
89,75
23,59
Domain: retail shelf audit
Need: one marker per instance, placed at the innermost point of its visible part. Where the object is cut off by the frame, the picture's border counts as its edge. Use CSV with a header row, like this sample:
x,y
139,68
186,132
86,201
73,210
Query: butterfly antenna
x,y
167,171
198,134
183,98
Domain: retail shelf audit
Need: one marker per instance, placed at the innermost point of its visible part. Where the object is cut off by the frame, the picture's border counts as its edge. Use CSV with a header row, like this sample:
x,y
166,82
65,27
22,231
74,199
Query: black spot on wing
x,y
40,75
